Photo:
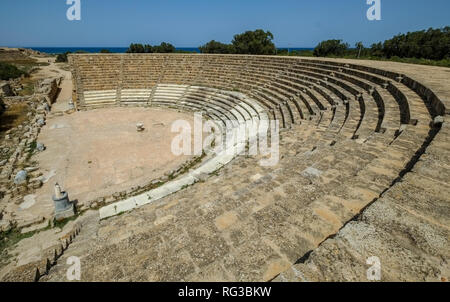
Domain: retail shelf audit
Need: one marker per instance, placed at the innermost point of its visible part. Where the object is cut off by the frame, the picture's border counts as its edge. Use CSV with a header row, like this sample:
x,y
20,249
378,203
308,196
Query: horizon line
x,y
129,46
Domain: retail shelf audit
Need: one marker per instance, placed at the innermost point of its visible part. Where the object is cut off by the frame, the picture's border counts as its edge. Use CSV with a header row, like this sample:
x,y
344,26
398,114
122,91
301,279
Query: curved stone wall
x,y
364,171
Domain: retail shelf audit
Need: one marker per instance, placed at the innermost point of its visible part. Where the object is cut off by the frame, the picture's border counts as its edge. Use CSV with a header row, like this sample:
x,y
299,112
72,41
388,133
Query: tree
x,y
216,47
148,48
359,46
376,50
256,42
162,48
136,48
105,51
433,44
62,57
330,47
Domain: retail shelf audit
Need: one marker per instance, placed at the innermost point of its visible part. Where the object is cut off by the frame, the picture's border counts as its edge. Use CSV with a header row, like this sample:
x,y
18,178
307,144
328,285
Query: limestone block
x,y
21,177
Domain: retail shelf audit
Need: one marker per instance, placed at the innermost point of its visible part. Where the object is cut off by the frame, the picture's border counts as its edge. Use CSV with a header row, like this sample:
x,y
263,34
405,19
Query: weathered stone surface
x,y
342,191
21,177
40,147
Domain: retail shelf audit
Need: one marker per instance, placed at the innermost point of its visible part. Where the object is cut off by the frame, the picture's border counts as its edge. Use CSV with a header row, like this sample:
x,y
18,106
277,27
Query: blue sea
x,y
57,50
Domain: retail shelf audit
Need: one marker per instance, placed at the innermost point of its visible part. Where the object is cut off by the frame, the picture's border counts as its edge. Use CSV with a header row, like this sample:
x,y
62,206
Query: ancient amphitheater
x,y
363,172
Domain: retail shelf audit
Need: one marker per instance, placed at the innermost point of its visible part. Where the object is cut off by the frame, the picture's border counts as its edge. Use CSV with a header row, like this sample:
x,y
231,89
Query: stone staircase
x,y
80,247
363,172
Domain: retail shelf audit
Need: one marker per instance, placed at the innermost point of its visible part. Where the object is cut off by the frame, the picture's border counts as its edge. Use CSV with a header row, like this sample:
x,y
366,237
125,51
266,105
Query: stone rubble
x,y
19,175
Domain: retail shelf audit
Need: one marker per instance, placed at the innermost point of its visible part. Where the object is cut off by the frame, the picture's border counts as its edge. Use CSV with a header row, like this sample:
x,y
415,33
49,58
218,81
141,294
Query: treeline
x,y
162,48
62,57
133,48
419,46
431,44
258,42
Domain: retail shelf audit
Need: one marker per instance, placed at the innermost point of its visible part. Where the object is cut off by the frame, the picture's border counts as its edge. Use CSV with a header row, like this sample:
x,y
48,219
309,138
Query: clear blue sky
x,y
184,23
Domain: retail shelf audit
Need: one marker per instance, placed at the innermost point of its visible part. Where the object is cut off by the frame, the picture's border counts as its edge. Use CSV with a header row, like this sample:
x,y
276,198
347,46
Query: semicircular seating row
x,y
343,101
359,129
338,101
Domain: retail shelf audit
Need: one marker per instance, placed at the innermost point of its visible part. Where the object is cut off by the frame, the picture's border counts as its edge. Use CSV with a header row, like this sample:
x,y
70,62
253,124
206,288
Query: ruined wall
x,y
48,88
19,175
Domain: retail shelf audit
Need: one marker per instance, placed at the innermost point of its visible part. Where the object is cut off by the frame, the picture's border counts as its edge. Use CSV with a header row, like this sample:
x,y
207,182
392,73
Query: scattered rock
x,y
438,120
256,177
40,147
36,184
310,171
21,177
140,127
28,202
40,122
155,182
31,169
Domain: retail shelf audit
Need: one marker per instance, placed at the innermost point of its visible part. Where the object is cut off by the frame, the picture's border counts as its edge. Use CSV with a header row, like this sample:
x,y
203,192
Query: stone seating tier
x,y
358,150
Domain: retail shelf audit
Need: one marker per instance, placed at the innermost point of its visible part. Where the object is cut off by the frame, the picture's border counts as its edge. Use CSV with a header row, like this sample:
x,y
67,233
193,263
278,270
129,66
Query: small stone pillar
x,y
63,207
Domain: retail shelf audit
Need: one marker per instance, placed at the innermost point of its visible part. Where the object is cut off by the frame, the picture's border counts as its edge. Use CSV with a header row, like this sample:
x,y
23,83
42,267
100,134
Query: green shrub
x,y
162,48
419,46
216,47
9,71
330,47
432,44
62,57
257,42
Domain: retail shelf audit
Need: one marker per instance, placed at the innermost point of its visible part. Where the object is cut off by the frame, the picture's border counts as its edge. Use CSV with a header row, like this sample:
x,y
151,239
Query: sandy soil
x,y
96,153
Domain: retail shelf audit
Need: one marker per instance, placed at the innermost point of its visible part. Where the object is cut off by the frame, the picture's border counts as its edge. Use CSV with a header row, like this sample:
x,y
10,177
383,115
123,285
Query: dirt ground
x,y
97,153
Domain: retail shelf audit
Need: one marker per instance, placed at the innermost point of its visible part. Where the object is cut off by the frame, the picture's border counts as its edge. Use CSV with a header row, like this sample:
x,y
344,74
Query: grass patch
x,y
11,238
32,146
22,61
10,71
28,87
184,187
14,68
62,223
14,116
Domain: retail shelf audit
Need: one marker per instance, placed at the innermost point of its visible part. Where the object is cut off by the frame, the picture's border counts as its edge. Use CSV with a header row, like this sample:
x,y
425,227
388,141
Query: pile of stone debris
x,y
19,175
